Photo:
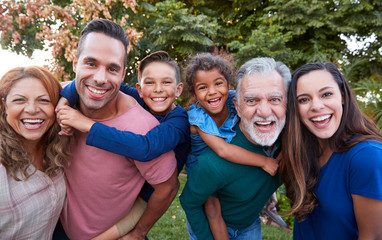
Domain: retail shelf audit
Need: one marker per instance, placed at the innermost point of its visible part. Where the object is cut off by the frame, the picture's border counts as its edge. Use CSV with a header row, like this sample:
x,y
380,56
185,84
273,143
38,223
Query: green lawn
x,y
172,225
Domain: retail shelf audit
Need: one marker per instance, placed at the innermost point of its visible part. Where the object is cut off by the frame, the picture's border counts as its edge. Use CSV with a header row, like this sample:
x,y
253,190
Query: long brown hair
x,y
299,169
13,155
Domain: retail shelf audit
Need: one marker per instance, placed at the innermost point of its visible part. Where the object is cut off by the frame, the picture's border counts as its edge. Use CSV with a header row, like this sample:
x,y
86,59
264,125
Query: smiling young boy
x,y
158,86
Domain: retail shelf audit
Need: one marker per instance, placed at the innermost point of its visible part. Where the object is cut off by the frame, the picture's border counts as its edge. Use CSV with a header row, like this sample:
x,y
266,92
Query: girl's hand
x,y
68,116
271,166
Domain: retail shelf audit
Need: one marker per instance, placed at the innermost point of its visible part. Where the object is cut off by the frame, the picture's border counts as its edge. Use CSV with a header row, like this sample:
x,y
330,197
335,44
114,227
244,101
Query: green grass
x,y
172,225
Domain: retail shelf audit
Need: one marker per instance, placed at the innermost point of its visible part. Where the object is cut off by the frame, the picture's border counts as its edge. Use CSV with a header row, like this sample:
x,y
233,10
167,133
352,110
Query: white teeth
x,y
32,120
321,118
95,91
159,99
263,123
214,100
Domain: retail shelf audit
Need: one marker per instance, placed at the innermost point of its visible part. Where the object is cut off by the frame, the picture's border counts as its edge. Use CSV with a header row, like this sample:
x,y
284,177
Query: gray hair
x,y
262,66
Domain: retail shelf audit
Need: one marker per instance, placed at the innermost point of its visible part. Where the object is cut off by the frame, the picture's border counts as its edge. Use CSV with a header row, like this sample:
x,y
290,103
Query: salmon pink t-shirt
x,y
102,186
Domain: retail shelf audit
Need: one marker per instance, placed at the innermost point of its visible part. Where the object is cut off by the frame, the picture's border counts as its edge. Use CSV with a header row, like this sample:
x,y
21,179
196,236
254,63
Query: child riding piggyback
x,y
212,119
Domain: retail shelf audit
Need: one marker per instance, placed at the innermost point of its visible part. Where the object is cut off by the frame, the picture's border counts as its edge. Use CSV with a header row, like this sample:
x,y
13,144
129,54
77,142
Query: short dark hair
x,y
159,56
108,28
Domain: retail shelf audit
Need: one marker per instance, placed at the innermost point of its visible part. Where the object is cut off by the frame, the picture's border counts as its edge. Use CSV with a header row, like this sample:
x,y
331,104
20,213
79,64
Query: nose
x,y
157,87
32,107
264,109
212,90
317,104
100,76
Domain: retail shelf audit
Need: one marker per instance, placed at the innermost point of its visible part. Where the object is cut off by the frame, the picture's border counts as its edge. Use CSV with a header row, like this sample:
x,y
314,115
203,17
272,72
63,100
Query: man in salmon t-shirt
x,y
102,186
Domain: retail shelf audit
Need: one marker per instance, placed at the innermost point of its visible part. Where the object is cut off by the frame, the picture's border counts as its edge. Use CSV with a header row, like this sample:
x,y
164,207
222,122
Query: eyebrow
x,y
322,89
92,59
276,94
197,85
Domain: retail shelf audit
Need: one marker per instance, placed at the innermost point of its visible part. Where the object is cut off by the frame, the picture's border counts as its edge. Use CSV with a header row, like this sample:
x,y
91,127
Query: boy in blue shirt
x,y
158,86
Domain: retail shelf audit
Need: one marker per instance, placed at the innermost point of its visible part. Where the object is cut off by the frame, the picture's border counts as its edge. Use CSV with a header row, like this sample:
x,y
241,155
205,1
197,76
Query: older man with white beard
x,y
242,190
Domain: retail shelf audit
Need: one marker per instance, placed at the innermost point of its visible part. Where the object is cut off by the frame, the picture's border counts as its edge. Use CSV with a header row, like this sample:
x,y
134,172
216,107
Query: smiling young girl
x,y
212,119
332,159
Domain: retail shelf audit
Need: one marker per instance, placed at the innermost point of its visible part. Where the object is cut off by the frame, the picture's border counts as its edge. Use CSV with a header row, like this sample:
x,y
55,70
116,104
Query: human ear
x,y
74,63
179,90
236,106
139,88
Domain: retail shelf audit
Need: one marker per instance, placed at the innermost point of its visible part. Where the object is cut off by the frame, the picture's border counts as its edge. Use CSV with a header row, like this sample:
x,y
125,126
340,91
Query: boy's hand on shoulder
x,y
69,117
62,102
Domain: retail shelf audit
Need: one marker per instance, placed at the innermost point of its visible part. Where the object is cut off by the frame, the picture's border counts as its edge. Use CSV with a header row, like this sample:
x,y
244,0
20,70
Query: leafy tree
x,y
295,31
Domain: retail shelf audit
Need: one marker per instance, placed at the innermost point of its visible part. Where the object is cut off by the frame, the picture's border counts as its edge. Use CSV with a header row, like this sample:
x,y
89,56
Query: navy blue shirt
x,y
173,133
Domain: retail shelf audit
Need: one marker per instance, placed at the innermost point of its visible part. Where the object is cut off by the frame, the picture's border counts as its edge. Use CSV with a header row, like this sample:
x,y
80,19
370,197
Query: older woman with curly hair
x,y
32,154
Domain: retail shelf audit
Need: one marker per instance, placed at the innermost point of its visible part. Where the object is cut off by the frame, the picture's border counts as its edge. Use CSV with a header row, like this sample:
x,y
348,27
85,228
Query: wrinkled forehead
x,y
259,85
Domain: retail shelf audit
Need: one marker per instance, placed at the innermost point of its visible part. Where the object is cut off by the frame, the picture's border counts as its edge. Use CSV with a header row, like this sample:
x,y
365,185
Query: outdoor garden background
x,y
347,33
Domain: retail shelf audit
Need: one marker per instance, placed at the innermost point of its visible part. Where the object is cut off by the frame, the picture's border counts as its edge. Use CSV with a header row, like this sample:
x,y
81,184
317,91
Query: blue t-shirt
x,y
173,133
200,118
357,171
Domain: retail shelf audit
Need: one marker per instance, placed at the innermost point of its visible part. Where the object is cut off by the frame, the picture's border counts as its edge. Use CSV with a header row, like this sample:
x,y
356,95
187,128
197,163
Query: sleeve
x,y
195,194
159,169
366,172
132,92
70,93
160,139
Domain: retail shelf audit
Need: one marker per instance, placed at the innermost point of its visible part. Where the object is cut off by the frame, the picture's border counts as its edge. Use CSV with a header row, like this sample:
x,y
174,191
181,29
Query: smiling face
x,y
211,91
158,87
29,109
319,103
262,107
99,74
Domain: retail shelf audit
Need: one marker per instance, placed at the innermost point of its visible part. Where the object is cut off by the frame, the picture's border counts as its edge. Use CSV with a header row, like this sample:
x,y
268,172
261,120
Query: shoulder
x,y
132,115
363,149
125,102
362,160
198,116
365,168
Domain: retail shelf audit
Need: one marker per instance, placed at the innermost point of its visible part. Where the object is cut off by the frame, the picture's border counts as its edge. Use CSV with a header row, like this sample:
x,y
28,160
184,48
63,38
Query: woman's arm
x,y
368,214
237,154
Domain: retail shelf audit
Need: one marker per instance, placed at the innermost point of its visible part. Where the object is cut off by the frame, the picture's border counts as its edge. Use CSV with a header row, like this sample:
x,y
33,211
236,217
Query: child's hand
x,y
68,116
271,166
65,130
62,102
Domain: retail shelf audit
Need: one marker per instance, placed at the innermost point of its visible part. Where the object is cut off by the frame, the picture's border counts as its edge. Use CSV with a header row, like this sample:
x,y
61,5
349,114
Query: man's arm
x,y
202,182
158,203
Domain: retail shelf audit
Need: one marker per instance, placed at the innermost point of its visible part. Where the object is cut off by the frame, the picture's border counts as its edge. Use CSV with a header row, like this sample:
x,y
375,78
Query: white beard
x,y
263,139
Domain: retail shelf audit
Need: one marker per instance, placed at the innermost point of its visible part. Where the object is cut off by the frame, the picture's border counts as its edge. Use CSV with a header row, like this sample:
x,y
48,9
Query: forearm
x,y
157,205
70,93
160,139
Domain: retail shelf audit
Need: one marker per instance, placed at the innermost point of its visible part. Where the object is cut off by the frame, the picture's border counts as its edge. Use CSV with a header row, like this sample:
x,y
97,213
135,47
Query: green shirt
x,y
242,190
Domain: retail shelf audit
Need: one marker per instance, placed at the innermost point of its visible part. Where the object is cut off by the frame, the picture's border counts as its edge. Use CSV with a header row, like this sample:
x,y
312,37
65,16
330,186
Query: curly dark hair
x,y
207,62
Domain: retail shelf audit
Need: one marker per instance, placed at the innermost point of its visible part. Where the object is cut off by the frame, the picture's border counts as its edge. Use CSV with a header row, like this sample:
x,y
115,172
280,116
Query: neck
x,y
219,118
326,151
36,151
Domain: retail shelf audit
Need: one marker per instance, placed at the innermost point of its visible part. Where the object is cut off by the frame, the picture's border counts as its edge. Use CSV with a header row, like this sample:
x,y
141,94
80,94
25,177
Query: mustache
x,y
260,119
